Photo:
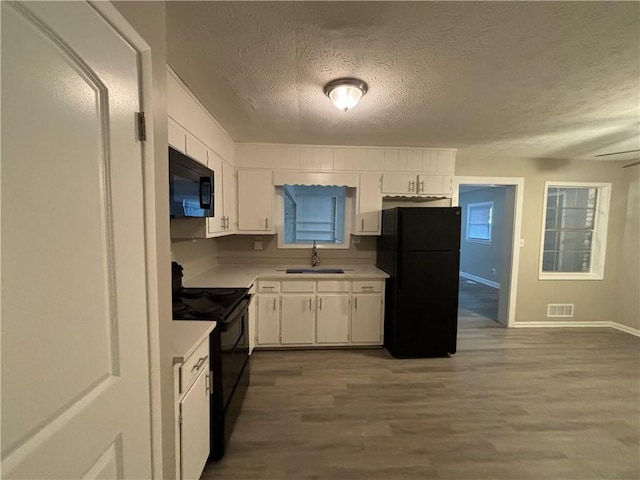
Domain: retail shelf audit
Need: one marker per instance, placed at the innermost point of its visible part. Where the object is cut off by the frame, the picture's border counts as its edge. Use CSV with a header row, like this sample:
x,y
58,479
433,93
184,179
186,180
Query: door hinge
x,y
142,126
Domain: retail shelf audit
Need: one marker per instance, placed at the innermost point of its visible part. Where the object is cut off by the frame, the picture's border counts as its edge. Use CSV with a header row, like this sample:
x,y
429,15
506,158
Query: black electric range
x,y
228,349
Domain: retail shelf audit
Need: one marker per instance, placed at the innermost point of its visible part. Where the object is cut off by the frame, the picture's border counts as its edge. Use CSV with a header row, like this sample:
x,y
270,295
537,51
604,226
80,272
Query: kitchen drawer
x,y
297,286
367,286
268,286
333,285
192,366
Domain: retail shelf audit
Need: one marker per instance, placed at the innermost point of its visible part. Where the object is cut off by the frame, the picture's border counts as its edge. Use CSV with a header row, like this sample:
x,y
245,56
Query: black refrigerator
x,y
420,250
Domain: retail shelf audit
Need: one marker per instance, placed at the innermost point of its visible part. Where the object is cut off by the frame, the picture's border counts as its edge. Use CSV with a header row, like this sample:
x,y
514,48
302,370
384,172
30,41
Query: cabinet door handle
x,y
309,304
267,288
367,287
421,186
362,225
201,360
412,185
356,303
274,304
320,303
266,223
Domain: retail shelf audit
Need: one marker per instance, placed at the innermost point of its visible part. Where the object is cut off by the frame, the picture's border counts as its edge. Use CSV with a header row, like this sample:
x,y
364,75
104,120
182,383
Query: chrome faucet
x,y
315,260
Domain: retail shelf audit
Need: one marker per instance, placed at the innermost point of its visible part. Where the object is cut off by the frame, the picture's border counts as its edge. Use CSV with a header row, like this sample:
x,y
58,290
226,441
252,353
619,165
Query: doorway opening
x,y
489,249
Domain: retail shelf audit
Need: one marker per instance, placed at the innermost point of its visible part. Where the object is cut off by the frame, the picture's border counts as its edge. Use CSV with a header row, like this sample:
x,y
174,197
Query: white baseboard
x,y
561,324
481,280
625,329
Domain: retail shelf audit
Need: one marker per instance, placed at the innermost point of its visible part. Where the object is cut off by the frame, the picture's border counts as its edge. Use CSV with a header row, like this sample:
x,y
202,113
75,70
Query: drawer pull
x,y
367,288
199,364
267,288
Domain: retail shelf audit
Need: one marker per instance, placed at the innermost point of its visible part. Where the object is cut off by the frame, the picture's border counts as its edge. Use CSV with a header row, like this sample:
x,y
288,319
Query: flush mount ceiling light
x,y
345,93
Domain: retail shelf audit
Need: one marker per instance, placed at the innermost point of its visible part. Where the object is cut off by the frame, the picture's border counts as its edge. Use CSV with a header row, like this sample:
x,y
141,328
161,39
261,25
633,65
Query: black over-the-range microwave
x,y
190,187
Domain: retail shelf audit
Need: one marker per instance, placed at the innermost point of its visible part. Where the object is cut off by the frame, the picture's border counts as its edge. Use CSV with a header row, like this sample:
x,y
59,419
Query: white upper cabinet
x,y
177,136
216,222
229,192
196,149
368,205
255,197
402,183
193,131
433,184
408,184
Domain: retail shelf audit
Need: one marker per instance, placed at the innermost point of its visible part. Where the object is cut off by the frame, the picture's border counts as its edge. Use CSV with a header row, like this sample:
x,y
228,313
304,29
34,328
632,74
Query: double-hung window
x,y
574,231
479,219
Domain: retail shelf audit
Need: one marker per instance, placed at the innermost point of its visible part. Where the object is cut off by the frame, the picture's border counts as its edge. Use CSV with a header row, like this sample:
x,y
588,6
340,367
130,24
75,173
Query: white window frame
x,y
478,205
599,241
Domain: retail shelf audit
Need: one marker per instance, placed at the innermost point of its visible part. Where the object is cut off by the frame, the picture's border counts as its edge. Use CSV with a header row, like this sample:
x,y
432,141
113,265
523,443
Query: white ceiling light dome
x,y
345,93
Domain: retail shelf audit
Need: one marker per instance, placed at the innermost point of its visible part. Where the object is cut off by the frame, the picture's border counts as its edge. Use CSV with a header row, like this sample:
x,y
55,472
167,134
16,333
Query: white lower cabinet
x,y
297,319
192,386
317,313
268,324
194,428
366,318
332,322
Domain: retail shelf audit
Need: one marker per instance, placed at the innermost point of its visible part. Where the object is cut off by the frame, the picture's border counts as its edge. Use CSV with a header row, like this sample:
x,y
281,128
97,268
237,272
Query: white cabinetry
x,y
332,323
368,205
366,313
252,317
194,132
177,135
414,185
194,428
319,312
216,222
229,191
224,191
196,149
366,318
296,323
255,196
193,390
268,320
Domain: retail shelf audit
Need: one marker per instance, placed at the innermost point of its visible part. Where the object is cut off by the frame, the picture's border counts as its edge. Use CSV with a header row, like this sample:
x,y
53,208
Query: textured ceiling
x,y
517,79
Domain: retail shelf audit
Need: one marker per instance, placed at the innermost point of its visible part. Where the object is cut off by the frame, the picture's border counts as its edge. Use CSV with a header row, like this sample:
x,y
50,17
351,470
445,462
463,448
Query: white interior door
x,y
75,367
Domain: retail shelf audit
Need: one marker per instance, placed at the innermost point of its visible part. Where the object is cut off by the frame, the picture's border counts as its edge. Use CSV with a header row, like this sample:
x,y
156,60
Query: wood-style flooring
x,y
511,404
477,305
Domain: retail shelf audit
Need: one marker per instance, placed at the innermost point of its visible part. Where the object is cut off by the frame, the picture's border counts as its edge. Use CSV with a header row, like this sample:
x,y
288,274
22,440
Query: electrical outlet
x,y
258,244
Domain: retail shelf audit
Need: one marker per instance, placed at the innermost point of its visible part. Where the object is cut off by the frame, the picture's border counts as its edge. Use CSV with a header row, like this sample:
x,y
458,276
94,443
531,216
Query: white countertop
x,y
243,276
187,335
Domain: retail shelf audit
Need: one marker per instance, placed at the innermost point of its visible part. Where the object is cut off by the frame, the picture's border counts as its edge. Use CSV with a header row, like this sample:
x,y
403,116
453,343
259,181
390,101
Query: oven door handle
x,y
235,314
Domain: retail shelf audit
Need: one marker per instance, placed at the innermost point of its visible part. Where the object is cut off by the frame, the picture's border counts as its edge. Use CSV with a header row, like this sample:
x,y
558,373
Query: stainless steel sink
x,y
314,270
